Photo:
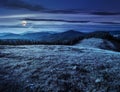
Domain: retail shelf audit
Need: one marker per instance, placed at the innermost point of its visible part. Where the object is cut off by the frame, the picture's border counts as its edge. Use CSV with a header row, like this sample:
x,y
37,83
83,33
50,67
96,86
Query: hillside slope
x,y
100,44
46,68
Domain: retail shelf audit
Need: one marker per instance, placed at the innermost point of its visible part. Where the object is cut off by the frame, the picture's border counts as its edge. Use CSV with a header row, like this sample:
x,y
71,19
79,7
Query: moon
x,y
24,23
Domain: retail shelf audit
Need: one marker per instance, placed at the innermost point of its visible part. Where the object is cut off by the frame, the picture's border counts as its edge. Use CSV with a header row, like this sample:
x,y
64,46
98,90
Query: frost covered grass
x,y
44,68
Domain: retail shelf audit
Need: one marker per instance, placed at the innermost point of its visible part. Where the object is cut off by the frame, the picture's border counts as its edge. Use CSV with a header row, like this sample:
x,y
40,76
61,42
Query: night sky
x,y
38,5
13,13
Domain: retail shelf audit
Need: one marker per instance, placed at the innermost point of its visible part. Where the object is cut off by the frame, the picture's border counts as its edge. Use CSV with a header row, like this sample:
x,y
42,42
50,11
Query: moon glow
x,y
24,23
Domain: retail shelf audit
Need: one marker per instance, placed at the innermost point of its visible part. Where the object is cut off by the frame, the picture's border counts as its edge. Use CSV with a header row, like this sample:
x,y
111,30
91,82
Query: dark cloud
x,y
56,20
20,4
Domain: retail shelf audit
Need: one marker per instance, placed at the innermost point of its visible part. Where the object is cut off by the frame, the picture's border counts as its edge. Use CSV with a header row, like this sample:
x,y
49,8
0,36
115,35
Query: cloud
x,y
20,4
55,20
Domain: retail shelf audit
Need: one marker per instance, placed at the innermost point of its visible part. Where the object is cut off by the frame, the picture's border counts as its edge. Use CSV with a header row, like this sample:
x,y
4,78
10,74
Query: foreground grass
x,y
58,69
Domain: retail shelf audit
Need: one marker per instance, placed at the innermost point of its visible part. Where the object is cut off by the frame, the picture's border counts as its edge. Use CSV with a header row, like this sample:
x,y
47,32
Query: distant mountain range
x,y
51,35
46,36
68,37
